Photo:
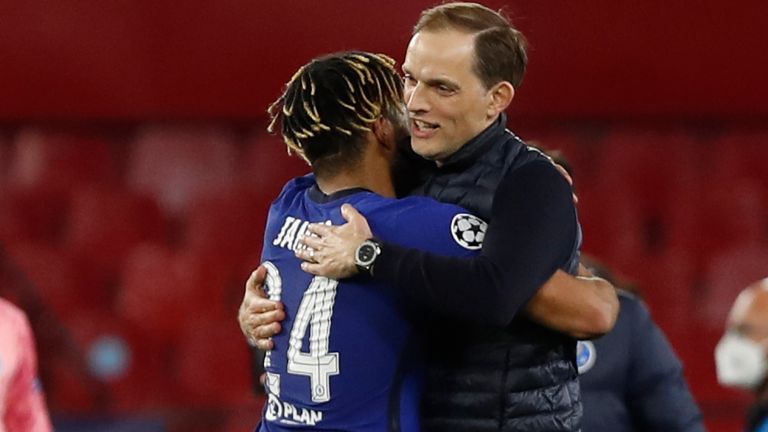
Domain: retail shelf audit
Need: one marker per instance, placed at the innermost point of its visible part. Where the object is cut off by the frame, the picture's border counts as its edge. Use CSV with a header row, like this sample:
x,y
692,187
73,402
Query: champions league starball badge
x,y
586,355
468,231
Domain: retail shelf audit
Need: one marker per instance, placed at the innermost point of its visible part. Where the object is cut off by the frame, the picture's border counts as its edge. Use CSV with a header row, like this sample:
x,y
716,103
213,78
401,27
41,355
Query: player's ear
x,y
385,133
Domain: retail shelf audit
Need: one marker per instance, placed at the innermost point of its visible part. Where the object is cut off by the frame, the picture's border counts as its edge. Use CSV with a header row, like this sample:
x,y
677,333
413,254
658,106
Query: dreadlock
x,y
331,102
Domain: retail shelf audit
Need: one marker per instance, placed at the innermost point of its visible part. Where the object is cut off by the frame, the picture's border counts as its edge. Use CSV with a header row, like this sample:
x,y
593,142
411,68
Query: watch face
x,y
366,253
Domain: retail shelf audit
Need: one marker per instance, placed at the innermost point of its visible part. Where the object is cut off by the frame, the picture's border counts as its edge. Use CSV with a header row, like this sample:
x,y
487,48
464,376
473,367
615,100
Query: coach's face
x,y
447,102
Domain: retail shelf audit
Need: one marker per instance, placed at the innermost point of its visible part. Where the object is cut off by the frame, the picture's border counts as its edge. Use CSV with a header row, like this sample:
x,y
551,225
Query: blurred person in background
x,y
631,378
22,404
741,356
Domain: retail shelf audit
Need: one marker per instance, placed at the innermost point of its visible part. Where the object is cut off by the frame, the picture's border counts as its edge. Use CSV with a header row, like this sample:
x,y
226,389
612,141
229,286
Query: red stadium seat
x,y
105,223
60,160
57,280
126,371
175,164
667,285
32,214
726,274
245,419
6,155
212,365
163,292
613,230
266,165
741,154
580,148
654,169
729,215
229,226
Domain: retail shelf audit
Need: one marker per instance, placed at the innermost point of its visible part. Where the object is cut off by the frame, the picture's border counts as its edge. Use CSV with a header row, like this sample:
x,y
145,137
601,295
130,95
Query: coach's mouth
x,y
422,129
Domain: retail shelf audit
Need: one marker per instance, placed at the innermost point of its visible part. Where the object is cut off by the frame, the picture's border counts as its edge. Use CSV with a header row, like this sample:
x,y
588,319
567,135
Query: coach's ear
x,y
384,131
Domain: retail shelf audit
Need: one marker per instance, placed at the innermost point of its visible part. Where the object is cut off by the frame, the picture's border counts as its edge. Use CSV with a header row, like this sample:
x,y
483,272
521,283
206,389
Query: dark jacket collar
x,y
477,146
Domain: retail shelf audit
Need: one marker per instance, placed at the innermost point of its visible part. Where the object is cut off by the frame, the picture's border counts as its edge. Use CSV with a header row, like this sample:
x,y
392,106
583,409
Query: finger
x,y
304,254
261,304
266,331
256,280
265,344
348,212
263,378
312,242
319,229
355,219
266,318
312,268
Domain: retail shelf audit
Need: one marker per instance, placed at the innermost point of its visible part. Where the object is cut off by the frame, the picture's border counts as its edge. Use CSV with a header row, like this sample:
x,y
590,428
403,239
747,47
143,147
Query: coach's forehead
x,y
441,52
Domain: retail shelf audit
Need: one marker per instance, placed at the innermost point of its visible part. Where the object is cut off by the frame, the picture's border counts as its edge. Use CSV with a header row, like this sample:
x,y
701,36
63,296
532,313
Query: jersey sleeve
x,y
27,410
532,232
659,397
430,226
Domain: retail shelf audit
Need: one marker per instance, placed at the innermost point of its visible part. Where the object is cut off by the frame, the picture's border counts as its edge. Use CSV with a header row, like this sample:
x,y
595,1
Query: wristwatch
x,y
365,256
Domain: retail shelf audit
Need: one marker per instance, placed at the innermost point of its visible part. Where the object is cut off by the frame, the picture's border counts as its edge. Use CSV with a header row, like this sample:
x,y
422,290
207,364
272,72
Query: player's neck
x,y
372,174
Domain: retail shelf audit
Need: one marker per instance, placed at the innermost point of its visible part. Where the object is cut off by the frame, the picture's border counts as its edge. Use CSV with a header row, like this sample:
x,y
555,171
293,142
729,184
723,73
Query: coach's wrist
x,y
366,255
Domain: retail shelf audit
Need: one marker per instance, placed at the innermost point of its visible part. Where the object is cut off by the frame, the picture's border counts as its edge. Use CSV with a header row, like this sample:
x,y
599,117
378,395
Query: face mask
x,y
740,362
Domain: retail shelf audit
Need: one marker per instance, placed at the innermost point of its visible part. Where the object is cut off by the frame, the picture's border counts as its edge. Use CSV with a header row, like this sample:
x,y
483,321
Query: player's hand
x,y
331,251
568,177
258,316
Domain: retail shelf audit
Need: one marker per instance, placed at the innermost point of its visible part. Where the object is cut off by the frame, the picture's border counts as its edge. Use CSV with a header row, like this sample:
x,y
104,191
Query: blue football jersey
x,y
342,361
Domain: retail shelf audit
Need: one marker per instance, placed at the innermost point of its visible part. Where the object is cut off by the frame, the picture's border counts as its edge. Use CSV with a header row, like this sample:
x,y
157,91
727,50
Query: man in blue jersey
x,y
346,361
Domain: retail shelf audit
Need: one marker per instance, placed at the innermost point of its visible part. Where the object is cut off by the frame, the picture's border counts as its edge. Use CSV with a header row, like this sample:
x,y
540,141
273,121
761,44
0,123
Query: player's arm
x,y
584,306
531,235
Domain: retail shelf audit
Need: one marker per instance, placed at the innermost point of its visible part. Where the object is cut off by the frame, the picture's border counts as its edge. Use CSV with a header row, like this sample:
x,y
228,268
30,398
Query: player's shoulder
x,y
295,187
536,162
416,208
427,224
537,174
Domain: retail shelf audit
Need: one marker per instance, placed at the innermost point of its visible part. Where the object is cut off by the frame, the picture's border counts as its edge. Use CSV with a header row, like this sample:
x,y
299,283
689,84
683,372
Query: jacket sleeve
x,y
532,233
659,398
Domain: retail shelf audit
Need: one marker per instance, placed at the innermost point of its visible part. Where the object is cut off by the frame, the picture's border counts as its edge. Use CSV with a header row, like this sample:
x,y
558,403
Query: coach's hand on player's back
x,y
331,251
258,316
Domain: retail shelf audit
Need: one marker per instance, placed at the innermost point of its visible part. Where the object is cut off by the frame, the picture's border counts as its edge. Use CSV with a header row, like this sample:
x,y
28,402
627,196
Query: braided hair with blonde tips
x,y
331,103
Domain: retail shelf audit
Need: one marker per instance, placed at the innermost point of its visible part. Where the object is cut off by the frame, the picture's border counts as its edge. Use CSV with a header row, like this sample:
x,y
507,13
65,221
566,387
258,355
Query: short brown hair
x,y
500,49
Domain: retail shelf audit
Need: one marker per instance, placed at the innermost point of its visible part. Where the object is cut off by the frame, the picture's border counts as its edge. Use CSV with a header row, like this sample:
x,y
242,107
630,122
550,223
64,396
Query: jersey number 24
x,y
315,314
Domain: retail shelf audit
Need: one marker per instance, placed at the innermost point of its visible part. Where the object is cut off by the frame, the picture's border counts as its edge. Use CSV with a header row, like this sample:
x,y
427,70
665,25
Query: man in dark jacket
x,y
631,379
489,367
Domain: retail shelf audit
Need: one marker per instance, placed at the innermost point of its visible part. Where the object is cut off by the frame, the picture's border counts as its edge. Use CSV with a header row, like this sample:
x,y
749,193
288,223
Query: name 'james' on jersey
x,y
342,361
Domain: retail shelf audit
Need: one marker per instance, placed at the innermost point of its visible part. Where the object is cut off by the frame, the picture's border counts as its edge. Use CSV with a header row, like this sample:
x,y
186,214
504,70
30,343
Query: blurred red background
x,y
135,173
